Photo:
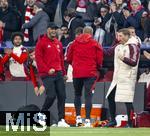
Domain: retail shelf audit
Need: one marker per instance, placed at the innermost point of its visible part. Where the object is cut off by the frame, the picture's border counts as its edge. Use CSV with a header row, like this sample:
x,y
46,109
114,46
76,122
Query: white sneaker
x,y
78,121
62,123
87,123
54,125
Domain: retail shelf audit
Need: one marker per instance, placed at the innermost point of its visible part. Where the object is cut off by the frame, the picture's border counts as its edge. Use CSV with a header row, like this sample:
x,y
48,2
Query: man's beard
x,y
17,44
51,36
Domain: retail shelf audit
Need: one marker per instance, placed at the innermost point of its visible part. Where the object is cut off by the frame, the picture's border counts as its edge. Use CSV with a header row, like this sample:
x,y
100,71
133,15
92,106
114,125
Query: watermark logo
x,y
25,121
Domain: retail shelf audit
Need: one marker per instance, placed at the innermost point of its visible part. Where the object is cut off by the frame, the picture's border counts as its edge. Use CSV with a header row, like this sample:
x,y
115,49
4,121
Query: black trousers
x,y
55,87
112,107
78,85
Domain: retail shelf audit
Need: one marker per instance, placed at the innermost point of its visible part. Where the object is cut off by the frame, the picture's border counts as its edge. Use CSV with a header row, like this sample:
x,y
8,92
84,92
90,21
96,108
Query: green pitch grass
x,y
99,131
81,132
25,133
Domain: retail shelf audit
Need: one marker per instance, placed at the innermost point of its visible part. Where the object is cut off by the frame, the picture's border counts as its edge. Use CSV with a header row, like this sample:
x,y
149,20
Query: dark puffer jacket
x,y
10,18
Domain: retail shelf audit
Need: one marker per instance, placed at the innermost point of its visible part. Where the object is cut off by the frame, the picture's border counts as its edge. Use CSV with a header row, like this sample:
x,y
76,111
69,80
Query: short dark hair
x,y
104,6
125,31
52,25
78,30
127,8
17,34
70,12
64,25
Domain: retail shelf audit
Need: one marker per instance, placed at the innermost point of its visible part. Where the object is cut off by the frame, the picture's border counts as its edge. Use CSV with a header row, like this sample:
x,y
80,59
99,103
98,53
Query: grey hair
x,y
88,30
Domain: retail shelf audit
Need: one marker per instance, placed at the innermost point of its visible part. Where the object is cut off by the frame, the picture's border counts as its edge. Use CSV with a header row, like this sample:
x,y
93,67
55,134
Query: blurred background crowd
x,y
105,16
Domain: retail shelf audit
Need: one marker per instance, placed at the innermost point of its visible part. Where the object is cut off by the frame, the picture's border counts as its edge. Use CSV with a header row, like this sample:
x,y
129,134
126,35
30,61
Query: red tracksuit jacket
x,y
49,54
30,74
86,56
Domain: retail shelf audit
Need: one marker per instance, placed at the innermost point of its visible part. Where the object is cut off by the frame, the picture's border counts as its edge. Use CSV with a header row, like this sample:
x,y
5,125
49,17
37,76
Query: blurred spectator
x,y
147,30
111,23
64,8
58,32
85,8
74,21
49,8
78,5
120,5
55,10
18,5
101,3
103,11
91,12
28,15
1,35
145,3
99,33
145,77
102,14
17,56
39,22
132,33
32,57
2,75
58,13
126,12
109,52
147,54
134,18
147,26
64,36
8,23
20,67
38,86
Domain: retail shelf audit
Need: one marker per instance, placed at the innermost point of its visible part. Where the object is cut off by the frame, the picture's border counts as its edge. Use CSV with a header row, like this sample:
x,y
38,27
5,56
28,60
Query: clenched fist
x,y
51,71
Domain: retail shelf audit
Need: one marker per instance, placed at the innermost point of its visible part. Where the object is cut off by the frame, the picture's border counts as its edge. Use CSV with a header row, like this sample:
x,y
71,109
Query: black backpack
x,y
30,107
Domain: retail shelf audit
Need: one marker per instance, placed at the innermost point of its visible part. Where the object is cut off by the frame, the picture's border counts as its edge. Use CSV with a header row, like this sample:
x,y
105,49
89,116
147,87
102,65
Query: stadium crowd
x,y
29,28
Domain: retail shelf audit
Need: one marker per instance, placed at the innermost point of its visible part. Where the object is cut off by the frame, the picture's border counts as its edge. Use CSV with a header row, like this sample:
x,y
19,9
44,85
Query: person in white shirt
x,y
145,77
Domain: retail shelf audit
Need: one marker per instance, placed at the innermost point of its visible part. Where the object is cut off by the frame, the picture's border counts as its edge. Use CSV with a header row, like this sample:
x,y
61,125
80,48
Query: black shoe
x,y
129,126
111,124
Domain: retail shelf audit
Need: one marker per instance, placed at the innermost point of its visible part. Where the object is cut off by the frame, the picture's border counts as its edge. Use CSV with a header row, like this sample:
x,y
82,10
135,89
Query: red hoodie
x,y
49,54
86,56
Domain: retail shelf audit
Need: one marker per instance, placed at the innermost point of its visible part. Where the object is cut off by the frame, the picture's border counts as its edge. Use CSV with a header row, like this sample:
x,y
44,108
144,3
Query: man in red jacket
x,y
86,56
50,65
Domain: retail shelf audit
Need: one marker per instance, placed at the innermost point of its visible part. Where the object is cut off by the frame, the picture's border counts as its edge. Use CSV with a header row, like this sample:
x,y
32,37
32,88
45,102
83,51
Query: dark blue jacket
x,y
135,21
10,18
